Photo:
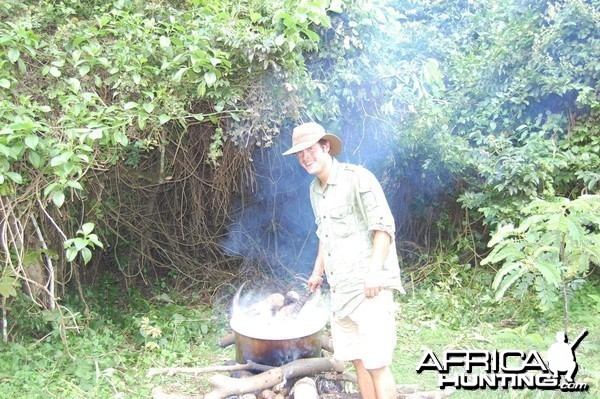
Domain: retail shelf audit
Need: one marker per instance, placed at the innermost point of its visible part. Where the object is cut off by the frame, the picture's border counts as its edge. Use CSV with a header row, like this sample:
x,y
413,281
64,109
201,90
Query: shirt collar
x,y
333,173
333,176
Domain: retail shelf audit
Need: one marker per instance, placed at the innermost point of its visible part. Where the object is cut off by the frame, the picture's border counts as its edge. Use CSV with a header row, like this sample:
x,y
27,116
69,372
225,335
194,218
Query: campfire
x,y
281,351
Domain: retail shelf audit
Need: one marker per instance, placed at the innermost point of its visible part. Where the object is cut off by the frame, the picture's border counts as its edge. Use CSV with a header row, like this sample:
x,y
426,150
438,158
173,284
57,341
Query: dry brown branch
x,y
226,386
227,340
169,371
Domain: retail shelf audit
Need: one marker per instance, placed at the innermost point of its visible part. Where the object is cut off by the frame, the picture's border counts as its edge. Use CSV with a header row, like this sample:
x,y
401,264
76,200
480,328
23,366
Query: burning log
x,y
227,386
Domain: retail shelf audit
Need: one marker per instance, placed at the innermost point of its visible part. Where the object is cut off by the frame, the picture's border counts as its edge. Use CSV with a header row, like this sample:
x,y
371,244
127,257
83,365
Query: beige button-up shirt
x,y
347,213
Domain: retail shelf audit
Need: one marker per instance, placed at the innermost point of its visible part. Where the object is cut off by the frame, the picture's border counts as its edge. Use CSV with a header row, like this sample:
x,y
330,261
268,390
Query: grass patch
x,y
127,334
454,321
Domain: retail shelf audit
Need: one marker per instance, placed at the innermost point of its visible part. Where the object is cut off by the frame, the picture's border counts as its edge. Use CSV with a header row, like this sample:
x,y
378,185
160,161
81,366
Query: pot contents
x,y
276,329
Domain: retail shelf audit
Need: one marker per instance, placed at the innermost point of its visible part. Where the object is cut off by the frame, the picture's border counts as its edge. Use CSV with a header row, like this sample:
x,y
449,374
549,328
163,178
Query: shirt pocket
x,y
342,221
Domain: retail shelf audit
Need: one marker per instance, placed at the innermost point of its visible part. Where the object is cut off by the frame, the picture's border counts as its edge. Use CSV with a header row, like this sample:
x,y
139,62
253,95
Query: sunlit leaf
x,y
13,55
164,41
16,177
58,198
8,287
210,78
164,118
32,141
87,228
54,71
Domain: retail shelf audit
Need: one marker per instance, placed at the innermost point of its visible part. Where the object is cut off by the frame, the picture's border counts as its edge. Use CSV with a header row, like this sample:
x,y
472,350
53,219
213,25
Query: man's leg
x,y
383,383
365,381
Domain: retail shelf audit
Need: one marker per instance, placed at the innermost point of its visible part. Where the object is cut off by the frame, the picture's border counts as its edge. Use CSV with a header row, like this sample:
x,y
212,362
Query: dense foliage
x,y
135,134
141,175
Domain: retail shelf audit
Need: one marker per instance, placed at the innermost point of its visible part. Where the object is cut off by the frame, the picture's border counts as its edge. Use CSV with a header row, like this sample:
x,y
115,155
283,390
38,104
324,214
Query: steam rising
x,y
253,315
275,226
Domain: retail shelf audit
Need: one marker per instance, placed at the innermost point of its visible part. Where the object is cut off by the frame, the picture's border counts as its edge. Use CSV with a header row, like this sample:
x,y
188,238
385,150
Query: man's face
x,y
314,158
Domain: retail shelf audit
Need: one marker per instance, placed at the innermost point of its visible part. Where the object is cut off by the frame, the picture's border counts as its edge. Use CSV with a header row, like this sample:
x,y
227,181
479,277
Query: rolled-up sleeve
x,y
374,205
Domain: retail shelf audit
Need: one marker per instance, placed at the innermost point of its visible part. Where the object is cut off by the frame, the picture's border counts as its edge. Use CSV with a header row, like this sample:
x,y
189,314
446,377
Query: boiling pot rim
x,y
318,327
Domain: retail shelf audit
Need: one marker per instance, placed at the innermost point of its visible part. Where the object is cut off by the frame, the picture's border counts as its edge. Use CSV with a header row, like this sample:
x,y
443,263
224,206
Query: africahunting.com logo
x,y
509,368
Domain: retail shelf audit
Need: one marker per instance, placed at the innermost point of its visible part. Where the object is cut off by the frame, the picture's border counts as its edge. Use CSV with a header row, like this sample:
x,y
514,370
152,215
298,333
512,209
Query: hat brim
x,y
334,142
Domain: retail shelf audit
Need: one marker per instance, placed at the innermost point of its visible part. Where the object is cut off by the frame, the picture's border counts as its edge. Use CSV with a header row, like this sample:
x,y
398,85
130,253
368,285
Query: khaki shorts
x,y
368,333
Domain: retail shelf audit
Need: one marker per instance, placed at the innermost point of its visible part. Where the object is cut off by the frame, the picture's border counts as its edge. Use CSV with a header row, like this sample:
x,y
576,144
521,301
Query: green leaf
x,y
86,254
87,228
4,83
71,254
504,270
177,77
31,257
74,184
164,41
58,198
210,78
80,243
508,282
95,134
75,85
148,107
32,141
279,40
557,222
162,119
204,328
120,138
8,287
61,158
16,177
549,271
201,91
51,187
13,55
54,71
501,234
544,250
83,70
508,251
93,238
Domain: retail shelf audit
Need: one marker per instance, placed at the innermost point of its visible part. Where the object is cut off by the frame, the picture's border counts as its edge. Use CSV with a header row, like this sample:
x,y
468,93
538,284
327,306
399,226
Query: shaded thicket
x,y
144,139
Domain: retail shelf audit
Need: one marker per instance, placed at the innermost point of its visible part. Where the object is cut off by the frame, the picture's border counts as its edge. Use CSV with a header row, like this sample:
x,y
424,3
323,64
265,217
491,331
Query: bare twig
x,y
169,371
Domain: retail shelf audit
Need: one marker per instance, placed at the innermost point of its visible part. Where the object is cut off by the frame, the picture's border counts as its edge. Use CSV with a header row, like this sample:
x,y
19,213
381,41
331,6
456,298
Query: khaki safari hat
x,y
310,133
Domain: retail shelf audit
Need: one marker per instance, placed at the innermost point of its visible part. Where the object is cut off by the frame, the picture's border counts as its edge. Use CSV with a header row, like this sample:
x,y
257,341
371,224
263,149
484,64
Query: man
x,y
356,250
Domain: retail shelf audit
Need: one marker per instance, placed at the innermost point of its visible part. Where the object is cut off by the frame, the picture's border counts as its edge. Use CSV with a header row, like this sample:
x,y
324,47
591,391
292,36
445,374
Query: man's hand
x,y
314,281
373,284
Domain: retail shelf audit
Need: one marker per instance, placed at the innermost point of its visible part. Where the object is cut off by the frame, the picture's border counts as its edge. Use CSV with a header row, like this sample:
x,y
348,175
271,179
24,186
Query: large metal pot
x,y
275,349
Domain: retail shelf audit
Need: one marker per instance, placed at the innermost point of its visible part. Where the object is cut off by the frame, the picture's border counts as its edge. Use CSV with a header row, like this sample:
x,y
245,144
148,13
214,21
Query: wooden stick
x,y
226,340
169,371
227,386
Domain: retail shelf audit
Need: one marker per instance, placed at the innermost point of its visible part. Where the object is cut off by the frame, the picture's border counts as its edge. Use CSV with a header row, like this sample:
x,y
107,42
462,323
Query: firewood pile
x,y
305,378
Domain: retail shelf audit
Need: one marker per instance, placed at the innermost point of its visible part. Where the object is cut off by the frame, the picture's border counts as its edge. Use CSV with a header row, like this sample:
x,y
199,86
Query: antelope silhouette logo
x,y
561,356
